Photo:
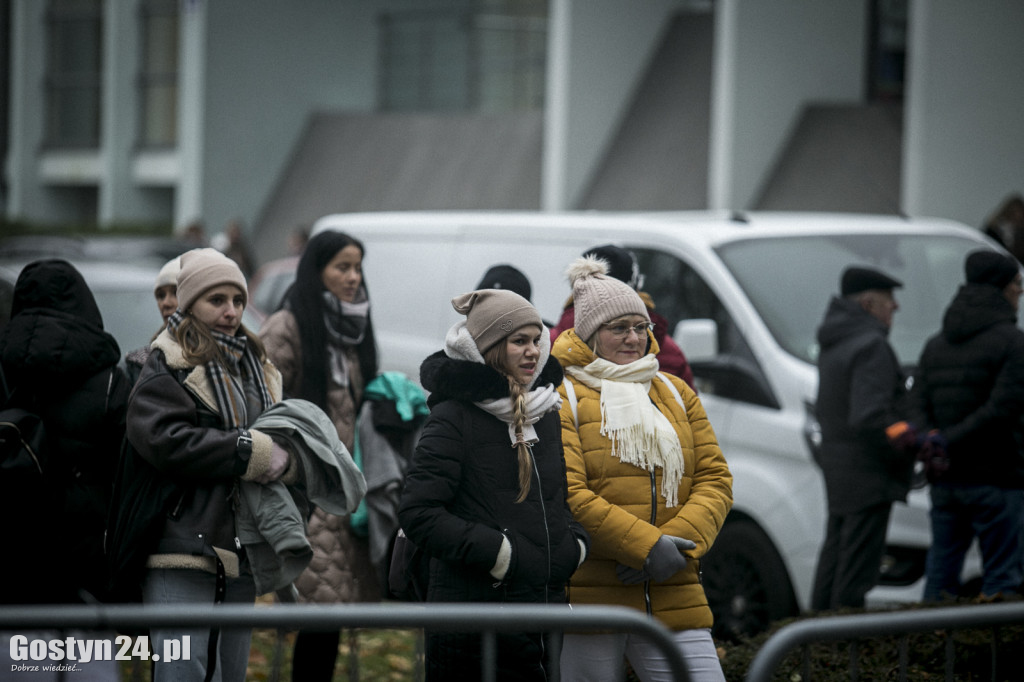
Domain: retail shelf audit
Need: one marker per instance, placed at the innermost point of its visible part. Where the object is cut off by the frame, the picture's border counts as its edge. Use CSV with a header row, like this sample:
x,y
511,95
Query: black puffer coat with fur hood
x,y
460,493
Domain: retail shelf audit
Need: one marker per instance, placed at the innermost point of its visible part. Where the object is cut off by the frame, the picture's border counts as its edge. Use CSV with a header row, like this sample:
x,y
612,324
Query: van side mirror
x,y
697,338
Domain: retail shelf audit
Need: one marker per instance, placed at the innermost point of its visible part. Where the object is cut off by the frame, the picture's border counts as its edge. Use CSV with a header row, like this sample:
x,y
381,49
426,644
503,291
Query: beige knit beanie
x,y
168,274
493,314
202,269
598,298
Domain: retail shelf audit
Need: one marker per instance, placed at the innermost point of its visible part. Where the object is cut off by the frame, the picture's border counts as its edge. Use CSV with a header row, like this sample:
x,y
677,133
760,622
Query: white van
x,y
744,294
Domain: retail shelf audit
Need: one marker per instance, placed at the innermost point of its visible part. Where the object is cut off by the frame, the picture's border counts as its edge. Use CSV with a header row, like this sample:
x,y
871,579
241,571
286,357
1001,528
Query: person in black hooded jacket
x,y
969,391
60,363
485,495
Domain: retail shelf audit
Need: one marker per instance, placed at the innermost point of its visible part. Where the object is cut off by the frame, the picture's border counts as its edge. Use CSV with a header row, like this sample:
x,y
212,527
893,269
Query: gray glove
x,y
665,558
682,544
633,576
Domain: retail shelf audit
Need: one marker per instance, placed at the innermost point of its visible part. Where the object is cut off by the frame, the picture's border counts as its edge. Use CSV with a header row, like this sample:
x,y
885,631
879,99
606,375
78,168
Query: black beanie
x,y
858,279
506,277
990,267
622,264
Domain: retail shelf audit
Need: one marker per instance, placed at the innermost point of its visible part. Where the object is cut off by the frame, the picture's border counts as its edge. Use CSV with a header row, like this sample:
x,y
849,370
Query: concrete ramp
x,y
659,156
844,158
374,162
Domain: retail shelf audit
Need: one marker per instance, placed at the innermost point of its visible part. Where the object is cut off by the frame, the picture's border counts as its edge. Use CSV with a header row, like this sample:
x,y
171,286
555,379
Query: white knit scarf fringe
x,y
640,434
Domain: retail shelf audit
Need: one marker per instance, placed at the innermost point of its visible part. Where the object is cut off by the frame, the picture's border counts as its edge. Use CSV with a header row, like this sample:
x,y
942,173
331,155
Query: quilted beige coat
x,y
340,570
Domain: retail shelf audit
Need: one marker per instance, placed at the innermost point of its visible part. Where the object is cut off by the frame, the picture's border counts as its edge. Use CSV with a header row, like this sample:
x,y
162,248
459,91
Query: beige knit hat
x,y
493,314
168,274
202,269
598,298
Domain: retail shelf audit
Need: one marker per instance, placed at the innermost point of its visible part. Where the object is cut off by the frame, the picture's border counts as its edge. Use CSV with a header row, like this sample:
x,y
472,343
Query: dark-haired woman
x,y
322,343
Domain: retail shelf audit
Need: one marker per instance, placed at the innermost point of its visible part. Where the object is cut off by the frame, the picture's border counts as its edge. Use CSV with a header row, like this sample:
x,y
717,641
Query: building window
x,y
74,34
158,75
887,50
512,56
424,61
487,56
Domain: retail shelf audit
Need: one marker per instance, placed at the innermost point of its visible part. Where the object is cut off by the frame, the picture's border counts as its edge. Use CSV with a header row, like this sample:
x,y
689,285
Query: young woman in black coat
x,y
485,496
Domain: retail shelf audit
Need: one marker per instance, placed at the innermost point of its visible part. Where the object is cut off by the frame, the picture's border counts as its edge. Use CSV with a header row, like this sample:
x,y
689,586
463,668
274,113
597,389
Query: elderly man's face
x,y
881,304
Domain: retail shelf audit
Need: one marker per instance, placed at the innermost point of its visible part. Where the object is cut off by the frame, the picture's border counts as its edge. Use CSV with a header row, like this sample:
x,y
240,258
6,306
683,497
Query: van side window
x,y
679,293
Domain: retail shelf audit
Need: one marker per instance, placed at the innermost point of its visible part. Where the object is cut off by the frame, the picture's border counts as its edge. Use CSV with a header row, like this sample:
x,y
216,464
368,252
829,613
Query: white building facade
x,y
167,111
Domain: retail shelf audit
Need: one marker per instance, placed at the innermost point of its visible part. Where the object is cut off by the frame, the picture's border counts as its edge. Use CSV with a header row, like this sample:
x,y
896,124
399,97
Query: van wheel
x,y
745,581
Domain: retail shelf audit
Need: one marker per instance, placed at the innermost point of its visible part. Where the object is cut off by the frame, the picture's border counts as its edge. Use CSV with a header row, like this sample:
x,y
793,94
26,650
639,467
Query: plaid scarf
x,y
236,358
346,322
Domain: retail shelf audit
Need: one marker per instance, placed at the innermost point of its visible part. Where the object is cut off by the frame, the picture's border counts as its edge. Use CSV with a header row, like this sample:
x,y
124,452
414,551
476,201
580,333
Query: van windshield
x,y
790,281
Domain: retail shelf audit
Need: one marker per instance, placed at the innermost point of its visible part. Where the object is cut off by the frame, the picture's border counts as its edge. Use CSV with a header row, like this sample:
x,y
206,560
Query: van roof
x,y
710,226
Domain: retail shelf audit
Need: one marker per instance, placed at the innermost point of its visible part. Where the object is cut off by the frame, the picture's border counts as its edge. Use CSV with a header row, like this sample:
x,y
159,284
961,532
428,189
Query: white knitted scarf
x,y
640,434
459,345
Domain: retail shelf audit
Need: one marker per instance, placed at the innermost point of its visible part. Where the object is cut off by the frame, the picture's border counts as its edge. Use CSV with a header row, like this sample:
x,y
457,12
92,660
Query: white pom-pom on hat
x,y
585,266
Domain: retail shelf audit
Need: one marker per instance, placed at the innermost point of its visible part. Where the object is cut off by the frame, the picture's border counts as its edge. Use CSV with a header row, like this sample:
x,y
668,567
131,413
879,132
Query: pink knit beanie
x,y
493,314
202,269
598,298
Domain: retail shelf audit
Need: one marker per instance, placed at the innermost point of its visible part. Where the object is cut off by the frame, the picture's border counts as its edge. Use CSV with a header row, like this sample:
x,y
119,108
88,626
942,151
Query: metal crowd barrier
x,y
486,619
872,625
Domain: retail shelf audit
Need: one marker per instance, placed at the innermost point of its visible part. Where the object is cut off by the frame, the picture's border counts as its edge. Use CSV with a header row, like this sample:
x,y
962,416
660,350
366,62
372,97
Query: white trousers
x,y
599,658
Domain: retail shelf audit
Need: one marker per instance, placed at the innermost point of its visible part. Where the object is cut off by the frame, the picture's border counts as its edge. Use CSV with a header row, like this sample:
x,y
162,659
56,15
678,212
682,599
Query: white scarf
x,y
640,434
459,345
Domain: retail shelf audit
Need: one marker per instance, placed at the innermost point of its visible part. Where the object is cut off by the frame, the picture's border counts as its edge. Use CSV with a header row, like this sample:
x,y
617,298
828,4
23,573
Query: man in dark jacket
x,y
860,393
970,391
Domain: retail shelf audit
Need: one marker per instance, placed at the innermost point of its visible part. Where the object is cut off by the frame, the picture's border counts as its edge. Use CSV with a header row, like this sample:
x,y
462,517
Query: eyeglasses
x,y
620,330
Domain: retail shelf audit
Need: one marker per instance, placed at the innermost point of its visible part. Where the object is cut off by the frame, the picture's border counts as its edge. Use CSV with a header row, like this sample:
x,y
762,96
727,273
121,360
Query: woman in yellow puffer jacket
x,y
646,479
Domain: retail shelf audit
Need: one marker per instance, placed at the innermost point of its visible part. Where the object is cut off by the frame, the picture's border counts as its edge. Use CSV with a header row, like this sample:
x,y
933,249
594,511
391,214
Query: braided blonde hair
x,y
496,357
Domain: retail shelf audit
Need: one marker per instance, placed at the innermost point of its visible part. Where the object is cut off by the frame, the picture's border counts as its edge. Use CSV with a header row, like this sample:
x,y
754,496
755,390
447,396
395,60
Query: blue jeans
x,y
187,586
961,513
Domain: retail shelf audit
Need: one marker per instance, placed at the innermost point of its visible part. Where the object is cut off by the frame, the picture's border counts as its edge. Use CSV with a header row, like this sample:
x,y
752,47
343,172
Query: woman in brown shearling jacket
x,y
322,343
205,382
646,479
